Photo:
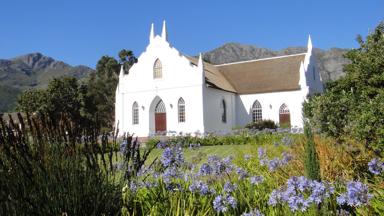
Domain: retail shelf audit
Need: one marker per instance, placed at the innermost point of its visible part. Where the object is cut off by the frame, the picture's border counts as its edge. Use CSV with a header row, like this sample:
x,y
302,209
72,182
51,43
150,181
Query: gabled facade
x,y
166,91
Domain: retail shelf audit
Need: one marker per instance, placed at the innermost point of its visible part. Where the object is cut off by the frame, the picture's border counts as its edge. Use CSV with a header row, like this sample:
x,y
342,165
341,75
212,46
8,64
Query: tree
x,y
102,85
127,59
352,105
62,96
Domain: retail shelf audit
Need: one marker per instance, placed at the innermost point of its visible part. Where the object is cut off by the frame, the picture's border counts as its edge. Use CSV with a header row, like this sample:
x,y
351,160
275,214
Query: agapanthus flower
x,y
297,189
222,203
205,169
375,166
217,166
286,140
123,146
261,153
199,187
357,195
255,180
229,187
161,144
241,173
172,156
253,212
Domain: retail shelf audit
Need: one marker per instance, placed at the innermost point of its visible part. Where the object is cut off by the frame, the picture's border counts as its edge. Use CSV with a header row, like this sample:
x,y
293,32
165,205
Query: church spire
x,y
121,71
309,46
164,33
152,33
200,62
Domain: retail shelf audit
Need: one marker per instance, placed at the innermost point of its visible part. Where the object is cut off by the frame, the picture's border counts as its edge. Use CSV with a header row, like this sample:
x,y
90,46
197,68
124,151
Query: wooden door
x,y
285,119
160,122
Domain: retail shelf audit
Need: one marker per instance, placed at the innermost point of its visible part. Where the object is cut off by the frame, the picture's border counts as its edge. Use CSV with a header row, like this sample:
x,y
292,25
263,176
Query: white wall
x,y
213,112
270,103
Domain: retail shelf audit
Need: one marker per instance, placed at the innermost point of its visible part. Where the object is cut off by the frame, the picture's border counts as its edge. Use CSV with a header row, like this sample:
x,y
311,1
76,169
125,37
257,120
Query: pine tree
x,y
311,163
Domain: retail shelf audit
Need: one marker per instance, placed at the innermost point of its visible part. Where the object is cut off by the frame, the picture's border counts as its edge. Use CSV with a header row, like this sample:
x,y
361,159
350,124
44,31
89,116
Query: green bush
x,y
352,105
261,125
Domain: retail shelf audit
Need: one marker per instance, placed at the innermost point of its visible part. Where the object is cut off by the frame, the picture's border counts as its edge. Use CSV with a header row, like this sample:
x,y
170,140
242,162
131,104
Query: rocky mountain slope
x,y
31,71
330,62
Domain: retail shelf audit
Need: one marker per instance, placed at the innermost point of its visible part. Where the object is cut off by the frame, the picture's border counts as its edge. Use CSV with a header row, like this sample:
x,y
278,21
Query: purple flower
x,y
205,169
375,166
161,144
357,195
199,186
247,157
242,173
172,156
255,180
286,140
217,166
221,203
286,158
275,197
229,187
273,164
261,153
297,189
254,212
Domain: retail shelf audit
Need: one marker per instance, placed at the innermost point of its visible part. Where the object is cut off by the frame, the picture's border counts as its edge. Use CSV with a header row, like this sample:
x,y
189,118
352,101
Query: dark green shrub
x,y
311,162
261,125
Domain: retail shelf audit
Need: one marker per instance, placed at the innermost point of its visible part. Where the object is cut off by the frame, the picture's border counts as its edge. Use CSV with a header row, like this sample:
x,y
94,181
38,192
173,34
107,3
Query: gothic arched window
x,y
181,110
223,107
257,114
135,113
157,69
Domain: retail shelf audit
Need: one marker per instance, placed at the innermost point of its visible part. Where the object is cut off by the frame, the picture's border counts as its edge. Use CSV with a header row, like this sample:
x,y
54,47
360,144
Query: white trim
x,y
254,60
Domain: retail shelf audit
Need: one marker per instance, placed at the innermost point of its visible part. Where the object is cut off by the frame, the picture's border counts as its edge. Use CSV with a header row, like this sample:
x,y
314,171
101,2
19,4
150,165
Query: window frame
x,y
257,111
181,110
157,69
135,113
223,106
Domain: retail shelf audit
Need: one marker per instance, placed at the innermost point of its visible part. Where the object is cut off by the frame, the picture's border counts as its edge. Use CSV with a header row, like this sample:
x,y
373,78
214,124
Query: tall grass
x,y
53,166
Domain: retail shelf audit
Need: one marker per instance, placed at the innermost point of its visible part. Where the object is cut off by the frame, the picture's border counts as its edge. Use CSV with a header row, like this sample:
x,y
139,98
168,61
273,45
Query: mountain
x,y
330,62
32,71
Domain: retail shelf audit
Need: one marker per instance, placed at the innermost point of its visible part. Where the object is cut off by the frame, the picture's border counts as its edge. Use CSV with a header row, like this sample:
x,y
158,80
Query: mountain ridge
x,y
329,62
33,70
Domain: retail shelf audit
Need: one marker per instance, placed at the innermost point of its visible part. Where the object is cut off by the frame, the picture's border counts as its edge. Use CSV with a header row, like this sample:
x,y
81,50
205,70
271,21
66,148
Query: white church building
x,y
168,91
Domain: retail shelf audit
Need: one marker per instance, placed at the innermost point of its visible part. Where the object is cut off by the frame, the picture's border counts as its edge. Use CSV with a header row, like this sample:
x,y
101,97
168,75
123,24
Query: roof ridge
x,y
253,60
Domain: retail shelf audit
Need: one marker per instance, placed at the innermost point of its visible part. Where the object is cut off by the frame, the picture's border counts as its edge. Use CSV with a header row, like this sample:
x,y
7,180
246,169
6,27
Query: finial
x,y
309,46
121,70
200,62
152,32
164,33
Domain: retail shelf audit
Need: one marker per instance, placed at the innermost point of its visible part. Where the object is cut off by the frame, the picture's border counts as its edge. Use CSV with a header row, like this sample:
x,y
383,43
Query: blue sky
x,y
81,31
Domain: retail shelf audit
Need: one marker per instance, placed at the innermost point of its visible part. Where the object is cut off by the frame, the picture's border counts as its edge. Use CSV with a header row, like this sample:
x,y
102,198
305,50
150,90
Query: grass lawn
x,y
199,155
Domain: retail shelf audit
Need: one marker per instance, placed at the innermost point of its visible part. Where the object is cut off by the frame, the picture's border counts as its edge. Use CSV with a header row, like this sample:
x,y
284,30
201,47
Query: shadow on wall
x,y
243,114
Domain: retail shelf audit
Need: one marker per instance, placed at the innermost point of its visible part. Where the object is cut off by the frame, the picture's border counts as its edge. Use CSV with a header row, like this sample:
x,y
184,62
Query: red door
x,y
160,122
285,120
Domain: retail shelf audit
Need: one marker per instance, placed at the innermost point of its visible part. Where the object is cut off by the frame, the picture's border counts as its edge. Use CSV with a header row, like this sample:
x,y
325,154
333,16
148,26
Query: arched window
x,y
135,113
223,107
181,110
257,114
157,69
284,109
